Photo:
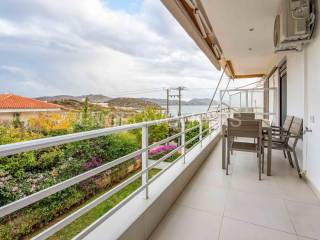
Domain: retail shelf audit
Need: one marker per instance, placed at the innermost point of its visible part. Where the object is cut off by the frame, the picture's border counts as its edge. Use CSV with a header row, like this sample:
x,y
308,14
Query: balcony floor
x,y
216,206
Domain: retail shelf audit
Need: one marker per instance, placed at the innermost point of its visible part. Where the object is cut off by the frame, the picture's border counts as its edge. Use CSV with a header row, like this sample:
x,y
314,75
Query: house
x,y
17,107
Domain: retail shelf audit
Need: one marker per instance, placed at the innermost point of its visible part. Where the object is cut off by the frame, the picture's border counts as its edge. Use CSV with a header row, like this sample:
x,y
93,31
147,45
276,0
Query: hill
x,y
93,98
74,105
132,103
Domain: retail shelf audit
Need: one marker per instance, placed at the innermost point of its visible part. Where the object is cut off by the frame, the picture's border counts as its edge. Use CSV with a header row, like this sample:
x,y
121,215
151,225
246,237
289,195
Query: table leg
x,y
269,152
223,148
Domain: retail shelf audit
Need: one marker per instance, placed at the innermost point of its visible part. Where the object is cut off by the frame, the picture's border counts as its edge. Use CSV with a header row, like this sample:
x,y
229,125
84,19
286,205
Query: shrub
x,y
193,133
160,151
156,132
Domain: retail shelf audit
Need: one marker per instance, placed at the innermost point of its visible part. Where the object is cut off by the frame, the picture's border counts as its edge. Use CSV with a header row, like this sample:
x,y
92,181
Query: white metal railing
x,y
15,148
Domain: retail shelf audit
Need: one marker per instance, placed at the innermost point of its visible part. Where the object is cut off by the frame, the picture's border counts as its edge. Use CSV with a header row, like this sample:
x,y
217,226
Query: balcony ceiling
x,y
232,20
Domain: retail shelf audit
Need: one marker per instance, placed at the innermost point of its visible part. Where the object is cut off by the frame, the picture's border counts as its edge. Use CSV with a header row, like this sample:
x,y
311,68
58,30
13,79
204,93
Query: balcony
x,y
216,206
190,197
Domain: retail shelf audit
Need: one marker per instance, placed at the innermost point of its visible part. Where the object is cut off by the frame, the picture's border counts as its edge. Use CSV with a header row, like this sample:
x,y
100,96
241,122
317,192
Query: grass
x,y
85,220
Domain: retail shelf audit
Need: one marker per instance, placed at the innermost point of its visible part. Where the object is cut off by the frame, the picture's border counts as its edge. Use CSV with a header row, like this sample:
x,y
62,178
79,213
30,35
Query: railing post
x,y
200,129
183,139
144,159
208,119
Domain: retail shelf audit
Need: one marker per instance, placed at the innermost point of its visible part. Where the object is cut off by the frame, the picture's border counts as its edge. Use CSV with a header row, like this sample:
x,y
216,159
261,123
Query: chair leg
x,y
259,166
228,161
297,162
284,153
290,159
262,152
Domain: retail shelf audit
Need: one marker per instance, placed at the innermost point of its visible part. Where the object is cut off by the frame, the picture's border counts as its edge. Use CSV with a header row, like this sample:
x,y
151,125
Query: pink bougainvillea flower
x,y
161,148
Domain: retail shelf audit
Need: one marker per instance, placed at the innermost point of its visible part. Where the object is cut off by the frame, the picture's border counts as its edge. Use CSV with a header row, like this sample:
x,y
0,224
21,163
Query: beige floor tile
x,y
261,210
188,224
295,189
306,219
233,229
210,199
252,185
208,178
274,208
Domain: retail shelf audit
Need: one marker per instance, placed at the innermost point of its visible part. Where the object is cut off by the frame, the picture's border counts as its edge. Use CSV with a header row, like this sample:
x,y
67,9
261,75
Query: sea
x,y
186,109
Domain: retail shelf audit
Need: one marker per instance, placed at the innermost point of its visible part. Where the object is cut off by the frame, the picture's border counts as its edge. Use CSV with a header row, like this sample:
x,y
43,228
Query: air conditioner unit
x,y
294,25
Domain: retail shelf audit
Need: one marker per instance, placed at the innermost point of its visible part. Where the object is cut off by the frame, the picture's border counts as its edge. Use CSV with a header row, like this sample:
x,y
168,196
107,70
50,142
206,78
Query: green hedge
x,y
24,174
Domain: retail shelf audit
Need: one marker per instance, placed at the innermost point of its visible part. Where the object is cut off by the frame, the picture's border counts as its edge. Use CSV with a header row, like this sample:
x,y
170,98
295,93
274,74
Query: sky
x,y
112,47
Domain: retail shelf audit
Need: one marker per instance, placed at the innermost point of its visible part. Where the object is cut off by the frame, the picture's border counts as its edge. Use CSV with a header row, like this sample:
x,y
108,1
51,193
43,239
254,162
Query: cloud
x,y
59,47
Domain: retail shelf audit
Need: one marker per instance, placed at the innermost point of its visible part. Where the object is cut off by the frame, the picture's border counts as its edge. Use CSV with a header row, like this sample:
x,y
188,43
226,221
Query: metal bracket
x,y
307,130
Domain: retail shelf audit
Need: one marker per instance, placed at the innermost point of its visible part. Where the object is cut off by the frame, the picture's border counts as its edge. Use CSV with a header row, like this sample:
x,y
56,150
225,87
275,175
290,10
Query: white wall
x,y
295,93
304,101
312,107
295,78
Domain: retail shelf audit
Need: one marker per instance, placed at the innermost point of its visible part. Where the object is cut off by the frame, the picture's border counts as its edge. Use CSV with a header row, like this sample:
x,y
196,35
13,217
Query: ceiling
x,y
252,51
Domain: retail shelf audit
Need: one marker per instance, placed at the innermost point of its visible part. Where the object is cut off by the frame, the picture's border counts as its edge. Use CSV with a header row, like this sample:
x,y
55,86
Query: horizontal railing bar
x,y
99,221
14,148
165,157
165,140
165,169
26,201
73,216
192,128
171,164
192,139
205,130
66,221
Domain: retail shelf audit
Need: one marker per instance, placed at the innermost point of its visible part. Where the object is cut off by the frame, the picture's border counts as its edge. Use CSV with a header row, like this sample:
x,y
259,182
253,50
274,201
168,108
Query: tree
x,y
156,132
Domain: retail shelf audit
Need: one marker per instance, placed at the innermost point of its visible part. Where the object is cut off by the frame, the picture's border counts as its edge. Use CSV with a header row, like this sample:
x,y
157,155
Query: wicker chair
x,y
237,129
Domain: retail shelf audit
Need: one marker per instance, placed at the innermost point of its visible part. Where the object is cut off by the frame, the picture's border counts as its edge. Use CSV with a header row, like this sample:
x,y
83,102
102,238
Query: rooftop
x,y
11,101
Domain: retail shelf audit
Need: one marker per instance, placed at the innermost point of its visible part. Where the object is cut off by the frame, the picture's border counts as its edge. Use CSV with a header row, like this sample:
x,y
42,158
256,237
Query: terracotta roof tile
x,y
11,101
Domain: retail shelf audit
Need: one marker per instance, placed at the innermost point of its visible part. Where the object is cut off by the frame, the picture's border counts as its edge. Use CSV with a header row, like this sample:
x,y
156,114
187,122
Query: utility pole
x,y
177,95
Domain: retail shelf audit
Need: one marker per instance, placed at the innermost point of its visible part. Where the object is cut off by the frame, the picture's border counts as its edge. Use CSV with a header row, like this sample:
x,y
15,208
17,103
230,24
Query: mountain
x,y
123,101
93,98
132,103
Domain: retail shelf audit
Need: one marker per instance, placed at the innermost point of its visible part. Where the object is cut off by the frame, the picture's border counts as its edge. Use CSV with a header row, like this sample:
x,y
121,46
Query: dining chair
x,y
279,133
244,116
295,133
283,142
237,129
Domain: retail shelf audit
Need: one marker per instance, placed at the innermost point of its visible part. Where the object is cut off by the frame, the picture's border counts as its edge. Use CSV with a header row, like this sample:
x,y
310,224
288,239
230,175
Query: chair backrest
x,y
244,128
287,123
244,116
296,127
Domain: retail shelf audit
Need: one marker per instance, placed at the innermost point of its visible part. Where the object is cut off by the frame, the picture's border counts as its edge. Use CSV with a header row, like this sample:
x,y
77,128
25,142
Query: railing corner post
x,y
144,158
183,138
200,129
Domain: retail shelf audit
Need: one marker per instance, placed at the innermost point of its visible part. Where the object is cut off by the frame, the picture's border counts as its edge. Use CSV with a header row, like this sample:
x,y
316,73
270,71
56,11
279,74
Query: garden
x,y
26,173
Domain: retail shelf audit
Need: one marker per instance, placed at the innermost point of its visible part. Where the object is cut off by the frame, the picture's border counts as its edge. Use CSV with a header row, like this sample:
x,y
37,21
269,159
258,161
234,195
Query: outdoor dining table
x,y
266,131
